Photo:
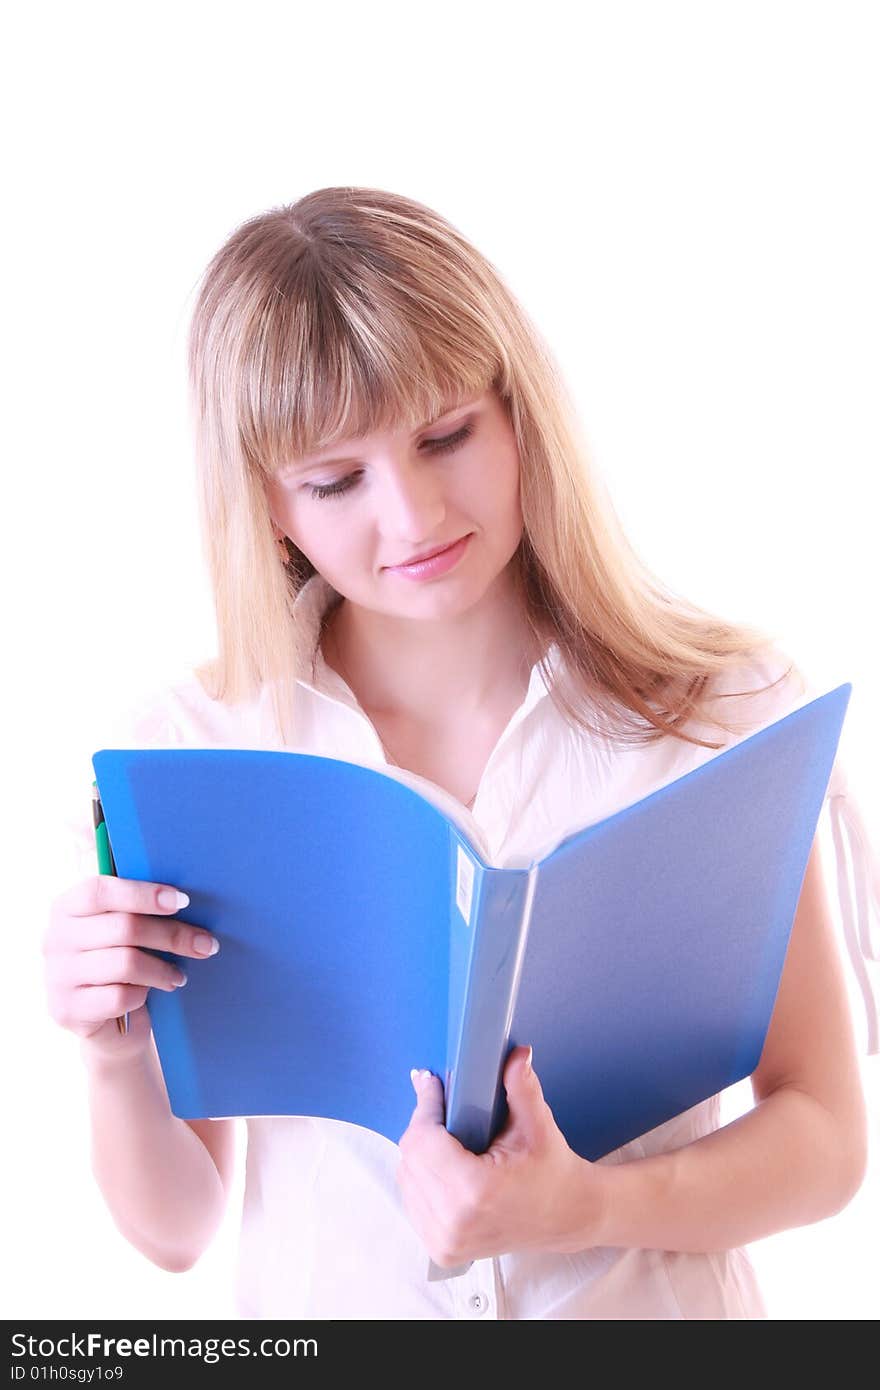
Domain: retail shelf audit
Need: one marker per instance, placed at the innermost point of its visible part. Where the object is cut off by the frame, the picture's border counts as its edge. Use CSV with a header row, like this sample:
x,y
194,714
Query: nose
x,y
413,505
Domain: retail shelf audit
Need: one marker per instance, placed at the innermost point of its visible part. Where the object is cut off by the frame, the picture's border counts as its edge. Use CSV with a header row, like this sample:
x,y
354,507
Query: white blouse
x,y
324,1233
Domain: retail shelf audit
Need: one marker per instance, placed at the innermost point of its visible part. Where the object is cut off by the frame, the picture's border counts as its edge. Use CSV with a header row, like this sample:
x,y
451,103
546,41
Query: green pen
x,y
105,861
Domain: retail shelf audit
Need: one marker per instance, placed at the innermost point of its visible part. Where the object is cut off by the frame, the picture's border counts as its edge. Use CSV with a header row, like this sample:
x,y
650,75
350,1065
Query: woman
x,y
367,391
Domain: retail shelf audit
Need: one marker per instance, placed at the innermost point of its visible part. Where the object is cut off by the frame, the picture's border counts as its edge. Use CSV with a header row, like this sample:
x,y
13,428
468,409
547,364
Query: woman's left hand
x,y
528,1191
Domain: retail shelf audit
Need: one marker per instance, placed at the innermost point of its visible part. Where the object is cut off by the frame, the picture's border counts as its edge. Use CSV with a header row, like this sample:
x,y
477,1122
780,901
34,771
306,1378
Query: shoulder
x,y
176,712
180,712
746,696
756,691
150,717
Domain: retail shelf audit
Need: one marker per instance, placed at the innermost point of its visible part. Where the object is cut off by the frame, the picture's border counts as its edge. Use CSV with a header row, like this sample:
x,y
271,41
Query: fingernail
x,y
206,945
417,1075
170,897
529,1060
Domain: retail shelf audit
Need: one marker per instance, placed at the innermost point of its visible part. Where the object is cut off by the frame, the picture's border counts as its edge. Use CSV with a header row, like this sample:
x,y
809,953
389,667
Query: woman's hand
x,y
528,1191
94,967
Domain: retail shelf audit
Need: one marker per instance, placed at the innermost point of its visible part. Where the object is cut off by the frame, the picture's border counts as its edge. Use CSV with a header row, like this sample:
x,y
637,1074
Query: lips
x,y
429,555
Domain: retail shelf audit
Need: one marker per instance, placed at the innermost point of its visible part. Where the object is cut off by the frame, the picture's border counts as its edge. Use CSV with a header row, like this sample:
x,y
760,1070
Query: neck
x,y
419,671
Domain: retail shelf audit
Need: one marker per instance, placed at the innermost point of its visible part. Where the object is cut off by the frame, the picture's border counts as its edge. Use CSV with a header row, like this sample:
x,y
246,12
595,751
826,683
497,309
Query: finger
x,y
108,893
150,933
126,965
426,1137
529,1121
427,1140
114,928
430,1100
100,1003
431,1165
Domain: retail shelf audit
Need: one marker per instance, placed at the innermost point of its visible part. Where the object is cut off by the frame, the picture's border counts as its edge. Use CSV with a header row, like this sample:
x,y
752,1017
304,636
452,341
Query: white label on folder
x,y
464,885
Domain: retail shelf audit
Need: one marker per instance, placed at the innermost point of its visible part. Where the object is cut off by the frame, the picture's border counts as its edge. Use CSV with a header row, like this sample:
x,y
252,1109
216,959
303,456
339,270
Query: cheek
x,y
290,510
329,536
493,486
508,482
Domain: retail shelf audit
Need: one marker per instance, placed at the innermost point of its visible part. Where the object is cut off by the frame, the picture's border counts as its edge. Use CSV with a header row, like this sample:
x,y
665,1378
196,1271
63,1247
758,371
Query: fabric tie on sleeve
x,y
846,817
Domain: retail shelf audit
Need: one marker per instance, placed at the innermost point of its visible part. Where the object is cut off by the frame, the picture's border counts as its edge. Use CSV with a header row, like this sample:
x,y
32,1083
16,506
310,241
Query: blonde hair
x,y
354,310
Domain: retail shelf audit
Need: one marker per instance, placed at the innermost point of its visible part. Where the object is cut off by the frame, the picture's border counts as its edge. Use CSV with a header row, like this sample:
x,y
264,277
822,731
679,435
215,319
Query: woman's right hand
x,y
95,970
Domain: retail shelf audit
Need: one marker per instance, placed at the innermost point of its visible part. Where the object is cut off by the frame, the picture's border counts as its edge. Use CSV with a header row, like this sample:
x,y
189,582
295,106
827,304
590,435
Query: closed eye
x,y
435,446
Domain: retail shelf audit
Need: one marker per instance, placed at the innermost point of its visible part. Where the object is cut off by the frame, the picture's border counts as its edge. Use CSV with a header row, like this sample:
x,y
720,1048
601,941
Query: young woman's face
x,y
364,505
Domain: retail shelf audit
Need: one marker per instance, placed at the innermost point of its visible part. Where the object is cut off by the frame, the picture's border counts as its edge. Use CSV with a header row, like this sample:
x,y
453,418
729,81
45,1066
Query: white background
x,y
685,198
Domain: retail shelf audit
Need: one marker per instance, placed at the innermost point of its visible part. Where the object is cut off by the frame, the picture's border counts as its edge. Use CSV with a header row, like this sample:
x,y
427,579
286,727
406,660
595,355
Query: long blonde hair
x,y
354,310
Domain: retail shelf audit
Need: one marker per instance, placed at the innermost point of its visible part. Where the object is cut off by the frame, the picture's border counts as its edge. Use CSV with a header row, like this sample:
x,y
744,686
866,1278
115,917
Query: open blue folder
x,y
363,932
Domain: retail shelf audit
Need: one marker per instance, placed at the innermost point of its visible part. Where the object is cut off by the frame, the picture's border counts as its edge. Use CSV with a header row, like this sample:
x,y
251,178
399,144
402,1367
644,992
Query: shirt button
x,y
478,1303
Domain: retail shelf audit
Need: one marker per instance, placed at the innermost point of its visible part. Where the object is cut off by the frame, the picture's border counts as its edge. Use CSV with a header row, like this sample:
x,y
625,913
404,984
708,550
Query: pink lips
x,y
439,563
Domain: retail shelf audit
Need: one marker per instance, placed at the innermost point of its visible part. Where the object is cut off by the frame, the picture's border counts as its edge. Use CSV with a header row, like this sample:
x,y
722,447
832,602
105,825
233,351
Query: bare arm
x,y
165,1189
165,1180
799,1156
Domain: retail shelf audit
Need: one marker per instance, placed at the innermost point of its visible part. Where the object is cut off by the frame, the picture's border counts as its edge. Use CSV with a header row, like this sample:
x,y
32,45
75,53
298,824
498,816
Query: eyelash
x,y
439,446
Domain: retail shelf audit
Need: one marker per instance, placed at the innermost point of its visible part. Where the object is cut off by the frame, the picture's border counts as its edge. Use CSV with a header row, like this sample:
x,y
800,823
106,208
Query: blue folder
x,y
363,933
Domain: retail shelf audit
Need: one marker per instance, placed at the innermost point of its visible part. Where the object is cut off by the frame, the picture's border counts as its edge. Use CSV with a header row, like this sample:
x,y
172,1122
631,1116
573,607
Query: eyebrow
x,y
316,461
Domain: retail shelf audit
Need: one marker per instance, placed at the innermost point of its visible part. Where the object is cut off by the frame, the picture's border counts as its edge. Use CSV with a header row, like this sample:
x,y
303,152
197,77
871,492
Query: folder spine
x,y
478,1038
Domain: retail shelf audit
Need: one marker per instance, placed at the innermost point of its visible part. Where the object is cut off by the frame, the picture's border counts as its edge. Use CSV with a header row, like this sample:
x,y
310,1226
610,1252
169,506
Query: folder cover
x,y
363,931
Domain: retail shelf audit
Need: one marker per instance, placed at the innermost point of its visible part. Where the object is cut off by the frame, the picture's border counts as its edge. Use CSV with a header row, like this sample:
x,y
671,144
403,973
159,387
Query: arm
x,y
166,1189
799,1156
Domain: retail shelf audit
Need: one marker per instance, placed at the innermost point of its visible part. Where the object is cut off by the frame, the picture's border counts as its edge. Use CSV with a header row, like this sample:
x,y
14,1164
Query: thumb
x,y
430,1101
525,1098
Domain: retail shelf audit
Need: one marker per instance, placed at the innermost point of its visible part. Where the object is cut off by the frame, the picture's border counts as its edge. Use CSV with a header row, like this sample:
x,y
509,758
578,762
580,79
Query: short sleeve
x,y
147,723
858,889
856,862
857,874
